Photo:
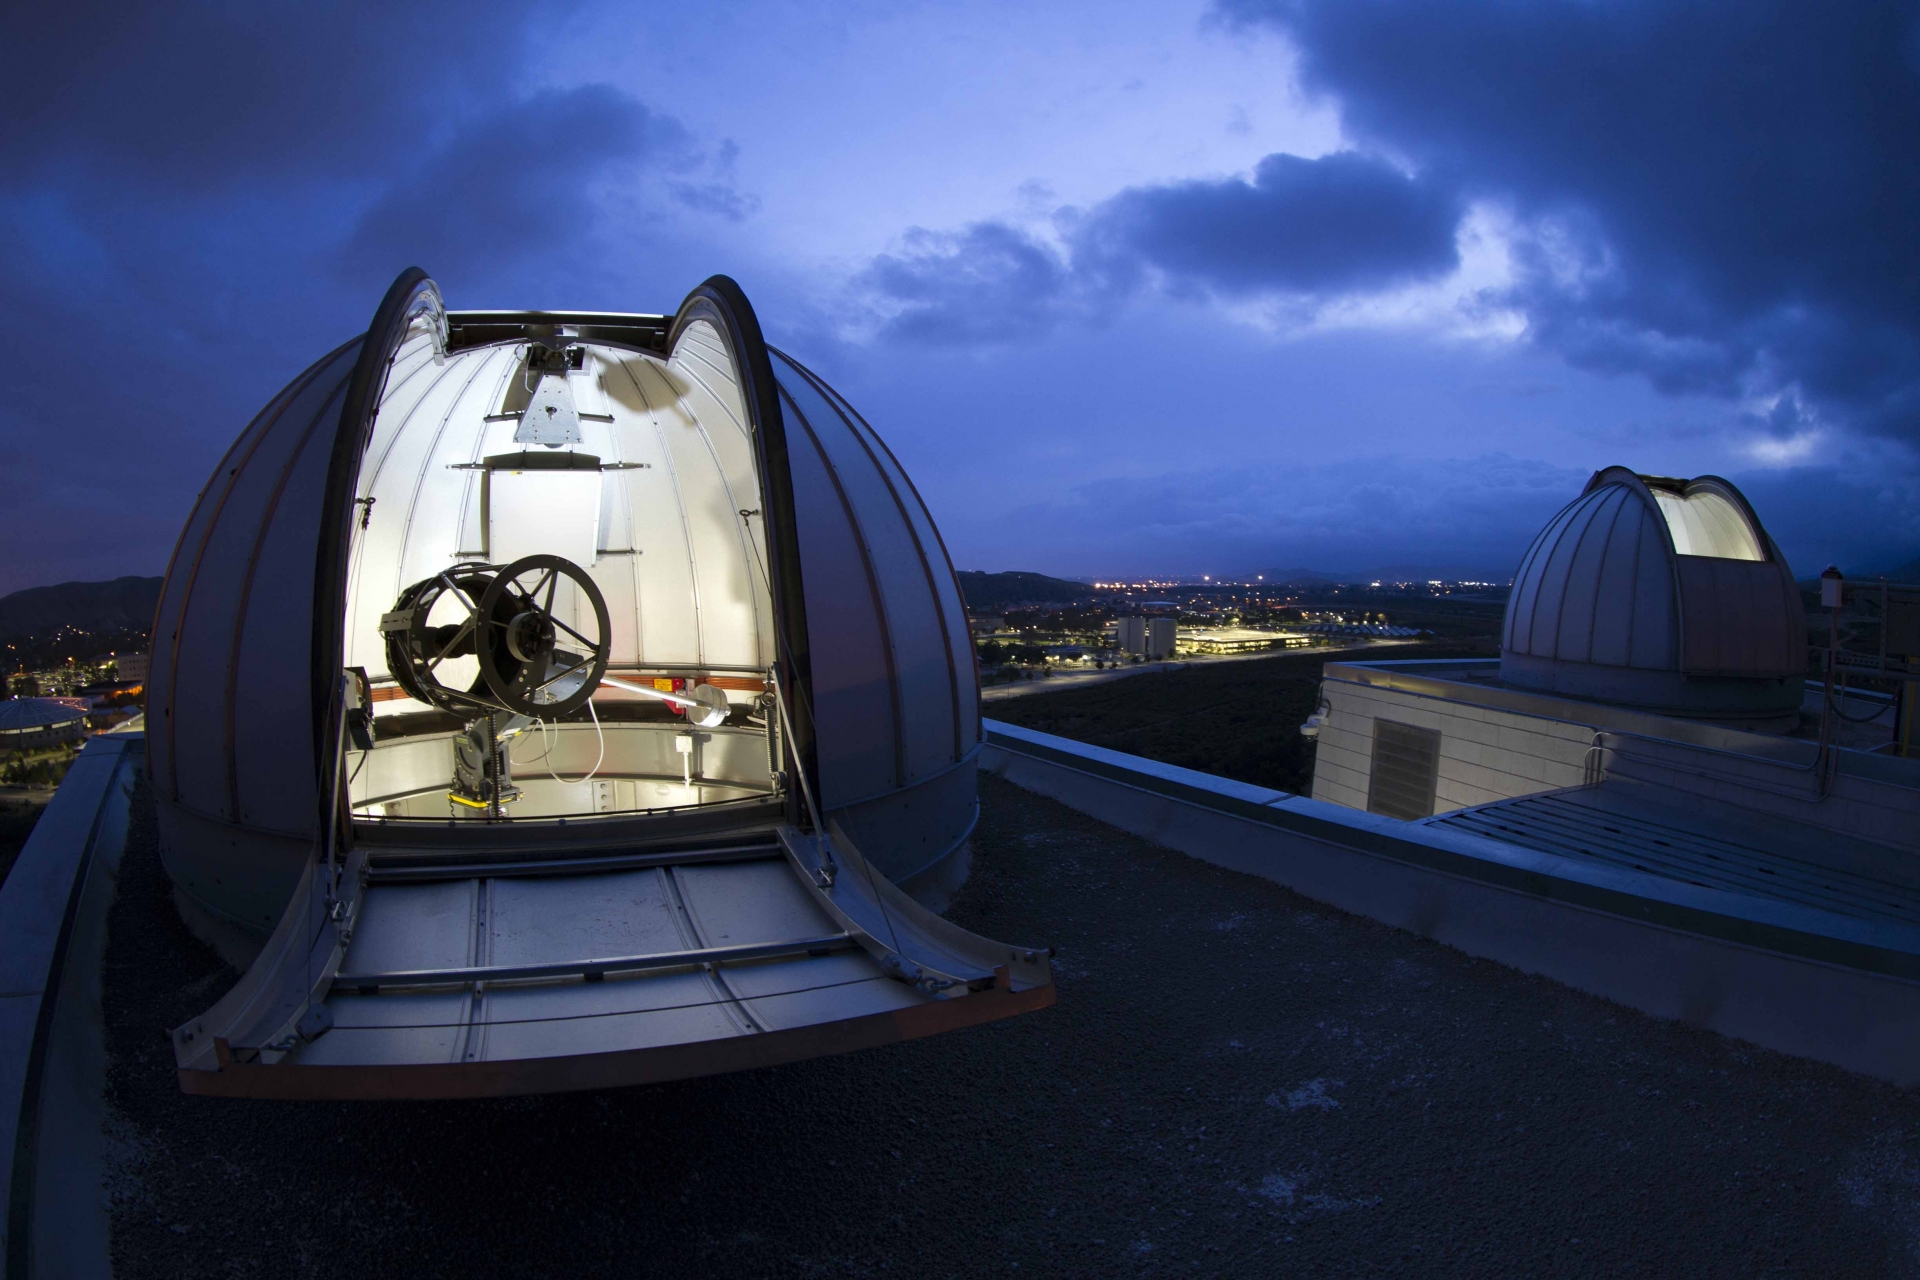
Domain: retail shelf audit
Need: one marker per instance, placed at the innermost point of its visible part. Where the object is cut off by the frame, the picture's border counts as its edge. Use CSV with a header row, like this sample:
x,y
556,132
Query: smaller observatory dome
x,y
1658,593
743,529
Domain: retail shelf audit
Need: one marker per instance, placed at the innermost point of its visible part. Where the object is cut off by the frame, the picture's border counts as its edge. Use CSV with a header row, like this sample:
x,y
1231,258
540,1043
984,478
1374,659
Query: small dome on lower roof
x,y
1659,593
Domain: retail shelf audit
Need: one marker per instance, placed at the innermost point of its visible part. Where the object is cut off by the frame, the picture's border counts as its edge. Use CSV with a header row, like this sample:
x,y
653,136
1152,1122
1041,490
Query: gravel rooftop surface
x,y
1236,1081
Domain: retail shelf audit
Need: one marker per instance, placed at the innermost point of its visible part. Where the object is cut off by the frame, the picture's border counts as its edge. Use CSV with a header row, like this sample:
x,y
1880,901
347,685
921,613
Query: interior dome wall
x,y
664,538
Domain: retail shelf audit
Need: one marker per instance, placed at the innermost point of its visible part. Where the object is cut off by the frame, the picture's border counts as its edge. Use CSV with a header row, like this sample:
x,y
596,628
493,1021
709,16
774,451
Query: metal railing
x,y
1873,632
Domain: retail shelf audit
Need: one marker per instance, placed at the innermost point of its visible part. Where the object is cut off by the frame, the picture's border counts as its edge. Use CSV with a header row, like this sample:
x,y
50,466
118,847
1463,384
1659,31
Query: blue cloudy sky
x,y
1178,287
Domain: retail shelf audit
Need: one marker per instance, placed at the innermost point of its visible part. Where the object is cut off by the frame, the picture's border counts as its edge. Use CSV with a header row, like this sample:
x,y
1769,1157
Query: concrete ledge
x,y
1804,982
53,919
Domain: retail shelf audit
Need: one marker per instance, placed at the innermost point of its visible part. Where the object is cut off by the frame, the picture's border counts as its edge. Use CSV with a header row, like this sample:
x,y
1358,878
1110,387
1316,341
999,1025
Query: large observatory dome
x,y
1658,593
744,528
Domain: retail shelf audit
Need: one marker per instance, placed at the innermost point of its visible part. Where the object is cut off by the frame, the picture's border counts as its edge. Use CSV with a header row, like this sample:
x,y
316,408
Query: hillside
x,y
1908,572
90,606
1240,720
997,590
1306,577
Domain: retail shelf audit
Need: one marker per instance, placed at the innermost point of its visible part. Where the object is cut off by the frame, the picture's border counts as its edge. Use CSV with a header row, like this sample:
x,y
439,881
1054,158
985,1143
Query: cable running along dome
x,y
556,699
1658,593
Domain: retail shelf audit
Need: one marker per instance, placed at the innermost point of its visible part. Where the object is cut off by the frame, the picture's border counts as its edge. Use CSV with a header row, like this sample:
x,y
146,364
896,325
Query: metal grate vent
x,y
1406,763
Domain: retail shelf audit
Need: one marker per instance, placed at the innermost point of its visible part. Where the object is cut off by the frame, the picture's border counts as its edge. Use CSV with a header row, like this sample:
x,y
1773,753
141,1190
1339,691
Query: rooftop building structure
x,y
1379,630
1153,638
1649,607
1219,640
28,724
1349,1011
1748,882
1643,719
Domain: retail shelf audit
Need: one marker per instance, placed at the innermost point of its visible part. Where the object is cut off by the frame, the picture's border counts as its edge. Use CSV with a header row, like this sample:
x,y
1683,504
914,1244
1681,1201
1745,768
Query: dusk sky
x,y
1130,288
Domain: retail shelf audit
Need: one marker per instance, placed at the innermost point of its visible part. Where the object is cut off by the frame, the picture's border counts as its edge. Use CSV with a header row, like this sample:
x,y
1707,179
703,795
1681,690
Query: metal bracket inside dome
x,y
550,418
544,358
530,461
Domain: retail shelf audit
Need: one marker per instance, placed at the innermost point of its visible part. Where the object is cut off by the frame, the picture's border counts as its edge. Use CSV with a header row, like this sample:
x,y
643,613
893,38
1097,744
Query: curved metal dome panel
x,y
1595,588
1704,522
247,636
234,752
894,682
1662,593
660,530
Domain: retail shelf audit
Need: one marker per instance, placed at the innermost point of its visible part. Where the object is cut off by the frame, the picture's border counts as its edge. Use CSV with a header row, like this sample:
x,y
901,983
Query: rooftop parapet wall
x,y
1779,973
53,917
1498,743
1486,754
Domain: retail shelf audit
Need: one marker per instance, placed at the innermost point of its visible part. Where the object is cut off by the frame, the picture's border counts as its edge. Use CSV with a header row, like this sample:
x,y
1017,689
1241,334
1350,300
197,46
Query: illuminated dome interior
x,y
641,471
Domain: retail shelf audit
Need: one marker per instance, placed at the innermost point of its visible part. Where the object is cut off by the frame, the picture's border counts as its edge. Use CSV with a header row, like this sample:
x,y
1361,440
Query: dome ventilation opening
x,y
1704,522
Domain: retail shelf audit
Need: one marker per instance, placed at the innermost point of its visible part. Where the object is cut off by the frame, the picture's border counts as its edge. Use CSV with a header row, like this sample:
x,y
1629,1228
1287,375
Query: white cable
x,y
596,764
546,747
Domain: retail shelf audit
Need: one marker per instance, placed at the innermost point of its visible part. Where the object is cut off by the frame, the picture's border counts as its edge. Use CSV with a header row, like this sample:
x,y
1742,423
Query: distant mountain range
x,y
90,606
997,590
1306,577
1908,572
1384,573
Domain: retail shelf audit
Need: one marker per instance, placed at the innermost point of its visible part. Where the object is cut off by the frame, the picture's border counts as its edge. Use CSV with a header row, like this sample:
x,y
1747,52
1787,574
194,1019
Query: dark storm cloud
x,y
1467,516
991,282
1343,223
182,96
200,199
507,187
1428,517
1727,192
